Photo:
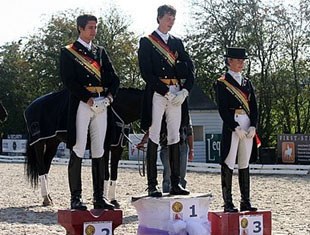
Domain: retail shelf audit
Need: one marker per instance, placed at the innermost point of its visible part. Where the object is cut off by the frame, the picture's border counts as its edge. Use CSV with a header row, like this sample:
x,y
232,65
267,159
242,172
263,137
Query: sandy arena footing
x,y
21,212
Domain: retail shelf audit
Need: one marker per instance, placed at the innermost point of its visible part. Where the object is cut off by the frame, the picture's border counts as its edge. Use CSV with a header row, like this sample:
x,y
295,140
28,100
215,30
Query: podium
x,y
78,222
239,223
173,214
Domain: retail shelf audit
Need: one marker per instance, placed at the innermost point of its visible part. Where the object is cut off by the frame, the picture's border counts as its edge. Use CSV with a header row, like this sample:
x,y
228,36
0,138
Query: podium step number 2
x,y
92,222
98,228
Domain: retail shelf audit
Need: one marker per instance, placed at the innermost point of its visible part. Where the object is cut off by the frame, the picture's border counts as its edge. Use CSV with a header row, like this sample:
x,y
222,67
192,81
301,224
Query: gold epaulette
x,y
221,78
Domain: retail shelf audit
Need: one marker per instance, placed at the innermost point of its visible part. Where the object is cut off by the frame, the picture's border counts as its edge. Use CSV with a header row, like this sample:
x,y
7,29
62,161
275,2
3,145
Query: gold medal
x,y
90,230
177,207
244,223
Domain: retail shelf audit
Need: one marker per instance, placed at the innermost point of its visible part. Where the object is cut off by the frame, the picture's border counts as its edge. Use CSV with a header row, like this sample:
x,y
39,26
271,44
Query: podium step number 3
x,y
242,223
251,224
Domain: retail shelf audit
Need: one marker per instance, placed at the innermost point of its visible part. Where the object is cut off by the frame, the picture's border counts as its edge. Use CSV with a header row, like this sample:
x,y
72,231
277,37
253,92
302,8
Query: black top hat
x,y
236,53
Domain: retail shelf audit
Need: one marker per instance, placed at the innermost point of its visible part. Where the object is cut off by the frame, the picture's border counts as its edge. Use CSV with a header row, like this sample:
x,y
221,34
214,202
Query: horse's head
x,y
3,113
128,104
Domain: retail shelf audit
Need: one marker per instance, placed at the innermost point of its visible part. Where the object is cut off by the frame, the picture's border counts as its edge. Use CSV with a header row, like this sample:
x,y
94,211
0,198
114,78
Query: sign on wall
x,y
294,148
213,148
14,146
15,143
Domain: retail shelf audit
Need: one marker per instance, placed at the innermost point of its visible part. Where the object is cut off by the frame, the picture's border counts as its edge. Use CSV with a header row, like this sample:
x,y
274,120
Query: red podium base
x,y
258,222
73,220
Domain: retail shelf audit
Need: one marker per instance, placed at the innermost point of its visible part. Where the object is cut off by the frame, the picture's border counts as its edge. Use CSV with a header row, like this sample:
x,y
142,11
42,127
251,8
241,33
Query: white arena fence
x,y
280,169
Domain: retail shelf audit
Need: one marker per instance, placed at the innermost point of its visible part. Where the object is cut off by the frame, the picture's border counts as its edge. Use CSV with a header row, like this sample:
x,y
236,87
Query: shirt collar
x,y
236,75
164,36
87,45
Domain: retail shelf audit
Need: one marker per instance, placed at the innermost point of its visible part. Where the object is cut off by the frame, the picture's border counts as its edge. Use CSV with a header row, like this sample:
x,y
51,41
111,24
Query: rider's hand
x,y
90,101
240,132
251,132
169,96
180,97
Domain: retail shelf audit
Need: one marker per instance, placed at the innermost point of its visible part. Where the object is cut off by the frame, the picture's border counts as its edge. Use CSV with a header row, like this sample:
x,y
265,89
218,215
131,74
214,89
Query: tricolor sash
x,y
88,63
242,98
237,93
163,50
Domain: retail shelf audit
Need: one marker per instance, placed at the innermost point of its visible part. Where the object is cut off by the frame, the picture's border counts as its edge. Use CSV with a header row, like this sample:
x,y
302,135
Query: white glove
x,y
240,132
170,96
180,97
100,105
251,132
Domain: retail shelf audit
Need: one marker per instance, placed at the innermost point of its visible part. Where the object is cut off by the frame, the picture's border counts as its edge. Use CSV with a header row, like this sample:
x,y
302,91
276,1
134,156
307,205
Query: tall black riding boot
x,y
244,184
174,159
99,201
75,182
151,168
226,179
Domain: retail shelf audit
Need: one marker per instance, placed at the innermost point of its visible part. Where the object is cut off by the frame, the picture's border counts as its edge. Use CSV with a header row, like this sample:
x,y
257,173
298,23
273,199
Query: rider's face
x,y
89,32
236,65
166,22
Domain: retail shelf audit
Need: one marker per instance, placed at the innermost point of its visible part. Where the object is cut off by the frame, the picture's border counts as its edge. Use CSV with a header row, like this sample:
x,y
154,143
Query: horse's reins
x,y
124,126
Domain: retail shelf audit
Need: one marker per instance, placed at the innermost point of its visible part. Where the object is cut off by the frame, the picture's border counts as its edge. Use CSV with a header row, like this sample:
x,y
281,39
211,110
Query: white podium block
x,y
173,214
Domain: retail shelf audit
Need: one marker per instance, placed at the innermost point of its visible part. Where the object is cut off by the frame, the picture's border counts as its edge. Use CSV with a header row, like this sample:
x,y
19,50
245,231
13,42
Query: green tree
x,y
296,44
14,89
277,42
30,68
121,44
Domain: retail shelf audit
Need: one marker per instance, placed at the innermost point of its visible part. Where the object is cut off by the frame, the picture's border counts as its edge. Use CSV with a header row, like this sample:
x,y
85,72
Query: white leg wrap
x,y
44,185
106,188
112,190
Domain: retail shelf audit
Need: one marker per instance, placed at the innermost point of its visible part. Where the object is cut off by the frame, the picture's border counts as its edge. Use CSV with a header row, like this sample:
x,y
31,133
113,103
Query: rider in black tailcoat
x,y
184,71
238,110
88,74
169,75
110,82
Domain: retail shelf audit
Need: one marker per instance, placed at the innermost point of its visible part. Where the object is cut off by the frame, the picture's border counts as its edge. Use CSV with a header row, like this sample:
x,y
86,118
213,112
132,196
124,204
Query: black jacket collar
x,y
170,43
93,53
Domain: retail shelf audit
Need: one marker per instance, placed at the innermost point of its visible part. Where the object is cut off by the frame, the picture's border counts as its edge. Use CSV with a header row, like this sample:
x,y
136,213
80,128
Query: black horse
x,y
3,113
46,119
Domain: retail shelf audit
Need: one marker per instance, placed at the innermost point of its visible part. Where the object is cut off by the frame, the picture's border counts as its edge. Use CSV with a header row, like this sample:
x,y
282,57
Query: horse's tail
x,y
31,167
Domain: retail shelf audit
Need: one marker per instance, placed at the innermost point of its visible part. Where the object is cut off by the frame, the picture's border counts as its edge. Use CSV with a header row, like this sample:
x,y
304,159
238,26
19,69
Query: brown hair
x,y
165,9
82,21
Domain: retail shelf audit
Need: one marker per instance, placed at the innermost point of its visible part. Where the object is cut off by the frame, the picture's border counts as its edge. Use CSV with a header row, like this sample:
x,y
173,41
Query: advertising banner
x,y
294,148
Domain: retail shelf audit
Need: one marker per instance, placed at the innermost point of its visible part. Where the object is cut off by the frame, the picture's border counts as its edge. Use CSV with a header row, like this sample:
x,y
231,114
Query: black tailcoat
x,y
153,66
75,78
227,104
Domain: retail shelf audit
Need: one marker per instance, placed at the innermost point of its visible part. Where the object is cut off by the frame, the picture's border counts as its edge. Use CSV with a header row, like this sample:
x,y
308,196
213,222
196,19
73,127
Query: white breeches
x,y
242,148
96,123
161,106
